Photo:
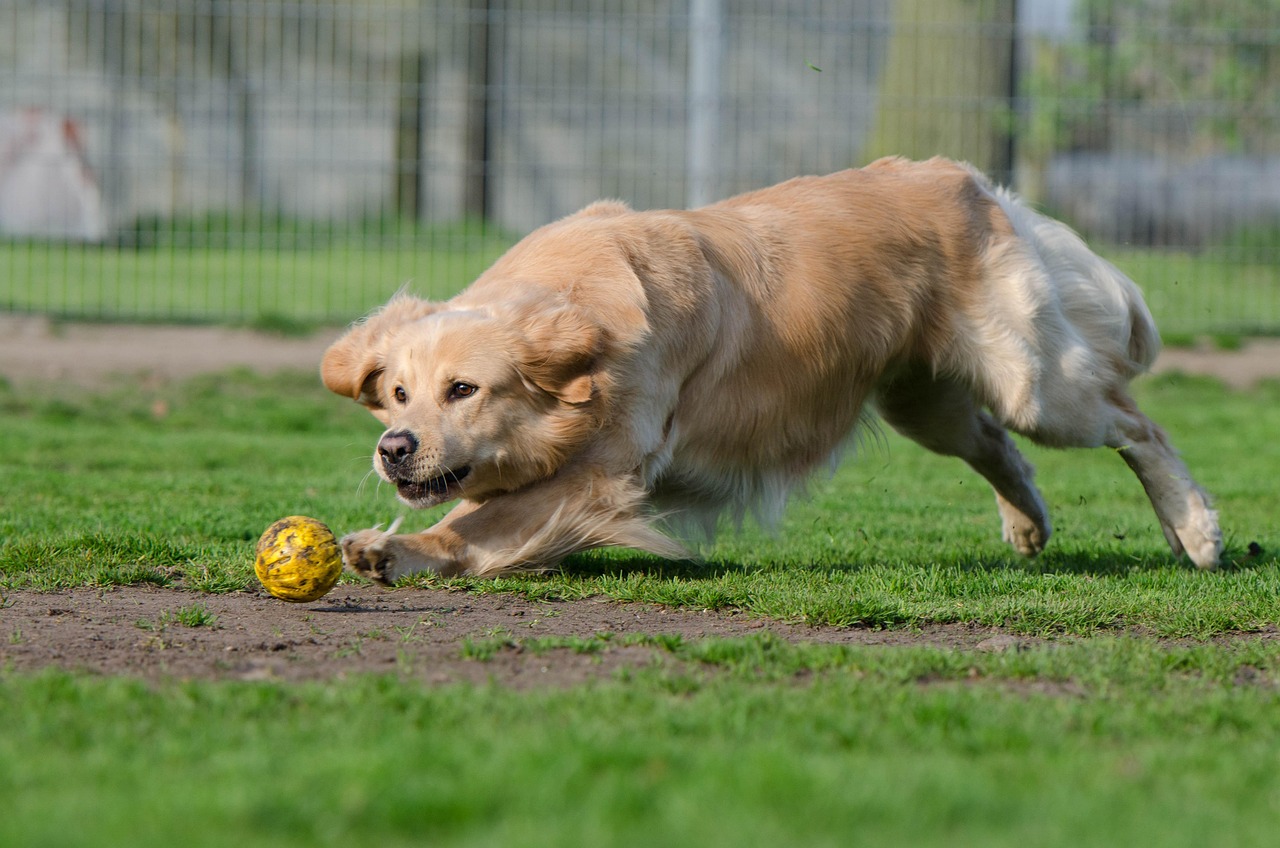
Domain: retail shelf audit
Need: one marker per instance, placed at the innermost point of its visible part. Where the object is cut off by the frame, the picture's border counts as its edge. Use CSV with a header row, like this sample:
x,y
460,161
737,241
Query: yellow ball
x,y
298,559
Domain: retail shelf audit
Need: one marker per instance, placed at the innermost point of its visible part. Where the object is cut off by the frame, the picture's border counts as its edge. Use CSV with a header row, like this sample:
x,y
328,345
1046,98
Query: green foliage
x,y
195,615
1211,64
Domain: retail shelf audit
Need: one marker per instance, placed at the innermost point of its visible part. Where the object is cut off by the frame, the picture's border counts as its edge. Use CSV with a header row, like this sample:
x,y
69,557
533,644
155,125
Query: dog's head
x,y
476,402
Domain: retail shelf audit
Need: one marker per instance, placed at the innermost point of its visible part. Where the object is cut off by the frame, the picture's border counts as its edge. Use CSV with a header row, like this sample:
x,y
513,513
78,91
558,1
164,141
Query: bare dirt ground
x,y
35,349
421,634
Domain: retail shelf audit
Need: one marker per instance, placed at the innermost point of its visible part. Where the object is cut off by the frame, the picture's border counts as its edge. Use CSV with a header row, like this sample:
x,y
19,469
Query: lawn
x,y
1213,293
174,484
286,280
272,282
1149,713
1138,746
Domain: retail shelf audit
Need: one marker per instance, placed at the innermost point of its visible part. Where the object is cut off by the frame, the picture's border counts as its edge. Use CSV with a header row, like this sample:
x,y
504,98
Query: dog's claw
x,y
366,553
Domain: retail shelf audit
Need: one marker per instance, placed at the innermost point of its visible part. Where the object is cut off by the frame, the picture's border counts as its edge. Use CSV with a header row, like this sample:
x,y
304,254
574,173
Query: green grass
x,y
1097,737
173,486
283,276
1217,293
193,615
258,285
1110,743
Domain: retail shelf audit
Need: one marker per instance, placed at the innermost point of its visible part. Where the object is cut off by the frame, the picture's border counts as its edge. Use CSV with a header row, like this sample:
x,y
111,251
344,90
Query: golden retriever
x,y
616,369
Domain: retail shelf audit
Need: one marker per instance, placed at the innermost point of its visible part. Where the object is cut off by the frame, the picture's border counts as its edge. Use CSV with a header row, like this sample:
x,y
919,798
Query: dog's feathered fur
x,y
617,364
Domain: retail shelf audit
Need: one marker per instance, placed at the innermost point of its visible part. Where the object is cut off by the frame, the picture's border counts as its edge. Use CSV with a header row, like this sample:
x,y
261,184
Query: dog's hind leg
x,y
944,417
1189,523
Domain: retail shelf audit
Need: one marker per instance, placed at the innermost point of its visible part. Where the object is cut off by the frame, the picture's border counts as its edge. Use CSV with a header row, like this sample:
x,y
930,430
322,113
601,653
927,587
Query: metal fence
x,y
295,161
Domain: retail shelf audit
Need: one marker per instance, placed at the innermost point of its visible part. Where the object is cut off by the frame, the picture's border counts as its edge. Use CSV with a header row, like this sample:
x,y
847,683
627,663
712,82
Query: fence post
x,y
477,143
410,127
946,84
706,50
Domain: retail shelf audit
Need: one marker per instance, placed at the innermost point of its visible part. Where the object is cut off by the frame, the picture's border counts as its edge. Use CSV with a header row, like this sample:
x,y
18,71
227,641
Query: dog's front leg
x,y
385,556
533,528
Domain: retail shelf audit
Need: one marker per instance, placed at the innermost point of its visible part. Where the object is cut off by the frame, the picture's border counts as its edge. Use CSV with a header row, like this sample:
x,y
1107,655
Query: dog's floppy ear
x,y
559,349
352,365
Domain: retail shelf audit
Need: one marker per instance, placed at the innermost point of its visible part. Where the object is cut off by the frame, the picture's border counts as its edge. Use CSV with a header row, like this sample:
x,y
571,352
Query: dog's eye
x,y
461,390
400,395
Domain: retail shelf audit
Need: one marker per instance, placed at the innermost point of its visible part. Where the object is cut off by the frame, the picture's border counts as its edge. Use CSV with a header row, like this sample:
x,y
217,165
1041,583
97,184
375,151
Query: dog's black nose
x,y
396,447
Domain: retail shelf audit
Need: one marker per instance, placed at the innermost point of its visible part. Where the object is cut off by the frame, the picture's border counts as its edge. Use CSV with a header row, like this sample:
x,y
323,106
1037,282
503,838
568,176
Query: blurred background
x,y
290,164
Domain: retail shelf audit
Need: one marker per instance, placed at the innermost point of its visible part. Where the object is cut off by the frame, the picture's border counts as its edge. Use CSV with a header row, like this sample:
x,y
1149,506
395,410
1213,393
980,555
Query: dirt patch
x,y
424,634
1255,361
33,348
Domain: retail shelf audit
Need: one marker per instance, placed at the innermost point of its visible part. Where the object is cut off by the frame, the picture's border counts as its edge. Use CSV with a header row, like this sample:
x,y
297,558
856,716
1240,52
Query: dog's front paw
x,y
370,554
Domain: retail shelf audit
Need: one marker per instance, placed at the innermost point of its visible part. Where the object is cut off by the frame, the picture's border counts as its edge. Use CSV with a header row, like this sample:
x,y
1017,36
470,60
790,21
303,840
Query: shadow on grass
x,y
1061,560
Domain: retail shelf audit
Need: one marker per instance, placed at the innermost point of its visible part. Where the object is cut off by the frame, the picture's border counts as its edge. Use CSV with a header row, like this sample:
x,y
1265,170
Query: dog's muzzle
x,y
396,453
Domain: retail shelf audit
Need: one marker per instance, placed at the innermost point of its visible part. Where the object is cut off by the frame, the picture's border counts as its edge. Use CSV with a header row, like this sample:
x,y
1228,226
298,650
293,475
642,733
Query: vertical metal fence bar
x,y
706,55
272,161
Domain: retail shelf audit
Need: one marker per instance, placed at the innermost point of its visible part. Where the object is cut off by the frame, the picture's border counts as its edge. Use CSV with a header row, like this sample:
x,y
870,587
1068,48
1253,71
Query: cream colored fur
x,y
616,366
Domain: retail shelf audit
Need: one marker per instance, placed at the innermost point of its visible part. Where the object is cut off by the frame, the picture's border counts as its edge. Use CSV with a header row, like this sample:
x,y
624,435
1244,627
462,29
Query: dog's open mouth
x,y
435,489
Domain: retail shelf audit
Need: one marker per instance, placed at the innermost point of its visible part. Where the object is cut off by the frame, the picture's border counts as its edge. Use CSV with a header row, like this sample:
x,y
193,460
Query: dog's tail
x,y
1097,298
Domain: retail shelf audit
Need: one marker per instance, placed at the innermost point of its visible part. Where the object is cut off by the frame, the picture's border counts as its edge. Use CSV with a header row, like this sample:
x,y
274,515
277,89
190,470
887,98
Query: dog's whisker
x,y
365,479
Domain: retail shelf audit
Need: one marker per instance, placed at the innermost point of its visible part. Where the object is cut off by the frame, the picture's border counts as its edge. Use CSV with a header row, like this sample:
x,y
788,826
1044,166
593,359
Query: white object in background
x,y
47,189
